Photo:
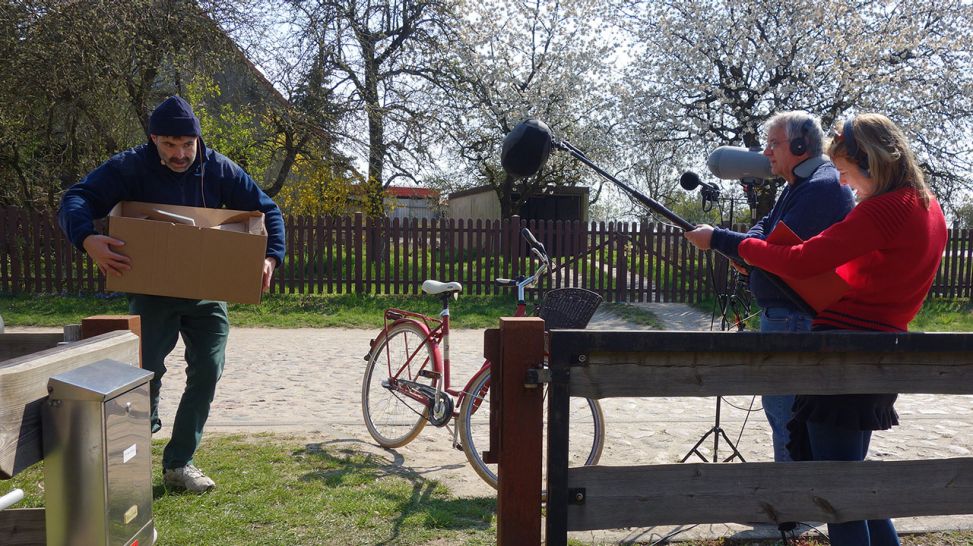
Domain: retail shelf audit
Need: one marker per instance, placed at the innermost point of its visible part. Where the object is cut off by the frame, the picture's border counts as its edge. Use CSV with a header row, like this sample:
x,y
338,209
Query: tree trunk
x,y
290,155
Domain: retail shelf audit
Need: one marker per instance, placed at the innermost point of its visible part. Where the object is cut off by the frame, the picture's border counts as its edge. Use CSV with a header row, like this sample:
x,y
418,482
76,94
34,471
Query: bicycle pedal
x,y
429,374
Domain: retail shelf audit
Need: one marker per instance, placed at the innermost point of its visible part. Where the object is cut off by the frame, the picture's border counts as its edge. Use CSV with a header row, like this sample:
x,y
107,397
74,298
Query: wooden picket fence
x,y
628,262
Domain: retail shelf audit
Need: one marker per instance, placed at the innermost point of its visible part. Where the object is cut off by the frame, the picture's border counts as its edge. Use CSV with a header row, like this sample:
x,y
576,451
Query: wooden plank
x,y
481,263
50,251
23,527
317,280
16,251
412,283
522,427
424,252
620,271
400,245
967,277
20,344
710,364
41,252
69,265
451,256
703,374
459,258
658,242
5,245
329,245
642,496
604,277
303,251
23,388
350,251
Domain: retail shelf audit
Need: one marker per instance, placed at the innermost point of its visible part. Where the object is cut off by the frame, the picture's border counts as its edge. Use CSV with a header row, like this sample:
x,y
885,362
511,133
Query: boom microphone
x,y
690,181
526,148
732,162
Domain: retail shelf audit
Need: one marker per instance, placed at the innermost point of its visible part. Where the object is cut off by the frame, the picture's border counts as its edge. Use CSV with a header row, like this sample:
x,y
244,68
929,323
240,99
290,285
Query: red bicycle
x,y
407,379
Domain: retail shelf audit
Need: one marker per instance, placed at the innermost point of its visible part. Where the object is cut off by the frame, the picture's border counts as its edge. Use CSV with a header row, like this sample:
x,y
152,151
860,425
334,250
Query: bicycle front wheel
x,y
392,416
587,429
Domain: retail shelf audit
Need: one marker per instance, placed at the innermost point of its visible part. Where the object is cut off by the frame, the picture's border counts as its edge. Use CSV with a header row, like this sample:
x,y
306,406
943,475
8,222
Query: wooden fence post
x,y
358,251
102,324
521,429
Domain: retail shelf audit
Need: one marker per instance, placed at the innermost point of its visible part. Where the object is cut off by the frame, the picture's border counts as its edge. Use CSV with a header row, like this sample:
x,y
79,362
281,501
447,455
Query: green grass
x,y
293,310
280,490
944,315
275,490
634,314
276,311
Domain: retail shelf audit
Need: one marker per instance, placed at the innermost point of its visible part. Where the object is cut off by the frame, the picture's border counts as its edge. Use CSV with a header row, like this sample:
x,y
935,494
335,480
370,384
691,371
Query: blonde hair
x,y
875,139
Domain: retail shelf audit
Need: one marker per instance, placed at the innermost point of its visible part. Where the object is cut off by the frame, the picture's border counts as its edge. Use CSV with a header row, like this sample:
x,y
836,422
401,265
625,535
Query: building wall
x,y
412,208
478,206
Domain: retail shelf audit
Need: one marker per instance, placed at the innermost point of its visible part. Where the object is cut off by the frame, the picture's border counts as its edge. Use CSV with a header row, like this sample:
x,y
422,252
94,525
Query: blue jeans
x,y
778,407
831,443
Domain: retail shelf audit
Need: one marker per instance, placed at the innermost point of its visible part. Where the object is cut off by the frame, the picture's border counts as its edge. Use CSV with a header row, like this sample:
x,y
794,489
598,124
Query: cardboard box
x,y
189,252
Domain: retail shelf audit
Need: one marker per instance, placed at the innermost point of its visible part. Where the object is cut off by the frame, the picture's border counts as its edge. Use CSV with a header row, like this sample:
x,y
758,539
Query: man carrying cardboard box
x,y
173,168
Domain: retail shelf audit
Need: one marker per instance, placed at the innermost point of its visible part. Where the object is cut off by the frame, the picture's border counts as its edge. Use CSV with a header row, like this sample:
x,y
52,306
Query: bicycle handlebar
x,y
533,242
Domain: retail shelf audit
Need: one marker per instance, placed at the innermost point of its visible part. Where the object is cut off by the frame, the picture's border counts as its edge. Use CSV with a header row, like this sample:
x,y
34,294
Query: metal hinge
x,y
537,376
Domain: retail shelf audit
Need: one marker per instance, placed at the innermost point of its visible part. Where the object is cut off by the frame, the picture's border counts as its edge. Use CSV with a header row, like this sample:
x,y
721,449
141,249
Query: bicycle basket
x,y
568,308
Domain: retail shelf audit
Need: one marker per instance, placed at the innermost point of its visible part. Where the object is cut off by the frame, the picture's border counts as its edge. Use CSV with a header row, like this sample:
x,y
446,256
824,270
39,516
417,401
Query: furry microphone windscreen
x,y
526,148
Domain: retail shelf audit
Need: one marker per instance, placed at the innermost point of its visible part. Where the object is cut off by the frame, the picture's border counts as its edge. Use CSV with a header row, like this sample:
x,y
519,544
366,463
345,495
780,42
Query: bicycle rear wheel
x,y
587,435
392,417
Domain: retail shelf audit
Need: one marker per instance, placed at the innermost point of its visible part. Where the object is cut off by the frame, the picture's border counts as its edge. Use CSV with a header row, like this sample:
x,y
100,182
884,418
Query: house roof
x,y
557,190
407,192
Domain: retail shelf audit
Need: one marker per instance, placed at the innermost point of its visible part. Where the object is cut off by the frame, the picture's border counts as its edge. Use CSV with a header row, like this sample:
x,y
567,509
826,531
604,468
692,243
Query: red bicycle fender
x,y
425,330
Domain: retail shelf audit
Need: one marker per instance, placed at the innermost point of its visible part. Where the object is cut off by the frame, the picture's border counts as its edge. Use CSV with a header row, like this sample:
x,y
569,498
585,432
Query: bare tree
x,y
376,59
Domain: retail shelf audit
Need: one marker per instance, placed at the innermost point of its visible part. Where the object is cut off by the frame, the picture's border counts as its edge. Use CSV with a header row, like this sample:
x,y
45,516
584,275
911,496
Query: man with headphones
x,y
173,168
812,200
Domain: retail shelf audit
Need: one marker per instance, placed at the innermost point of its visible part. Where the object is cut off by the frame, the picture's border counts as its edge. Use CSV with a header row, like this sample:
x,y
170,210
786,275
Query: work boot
x,y
189,478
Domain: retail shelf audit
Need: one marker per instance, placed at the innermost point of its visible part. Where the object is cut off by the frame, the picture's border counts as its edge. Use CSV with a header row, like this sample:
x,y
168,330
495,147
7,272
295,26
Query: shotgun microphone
x,y
733,162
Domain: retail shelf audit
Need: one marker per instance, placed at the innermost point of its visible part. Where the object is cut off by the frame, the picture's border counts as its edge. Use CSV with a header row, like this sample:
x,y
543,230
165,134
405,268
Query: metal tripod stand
x,y
717,432
734,308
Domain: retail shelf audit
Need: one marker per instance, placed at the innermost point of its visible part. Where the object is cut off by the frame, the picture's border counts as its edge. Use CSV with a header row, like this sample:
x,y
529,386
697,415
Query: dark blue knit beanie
x,y
174,117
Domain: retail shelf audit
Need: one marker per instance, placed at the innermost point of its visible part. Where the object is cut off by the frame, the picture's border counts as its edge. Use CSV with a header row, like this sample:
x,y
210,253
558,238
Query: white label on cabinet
x,y
128,454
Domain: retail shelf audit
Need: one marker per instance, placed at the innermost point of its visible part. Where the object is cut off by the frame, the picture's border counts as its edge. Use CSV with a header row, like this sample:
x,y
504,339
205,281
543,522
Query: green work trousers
x,y
204,327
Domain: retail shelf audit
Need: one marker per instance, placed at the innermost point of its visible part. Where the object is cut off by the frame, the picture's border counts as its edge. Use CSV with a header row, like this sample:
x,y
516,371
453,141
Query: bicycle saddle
x,y
436,287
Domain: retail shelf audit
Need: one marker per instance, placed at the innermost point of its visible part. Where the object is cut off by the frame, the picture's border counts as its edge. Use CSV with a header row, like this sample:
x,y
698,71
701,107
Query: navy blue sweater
x,y
138,175
807,206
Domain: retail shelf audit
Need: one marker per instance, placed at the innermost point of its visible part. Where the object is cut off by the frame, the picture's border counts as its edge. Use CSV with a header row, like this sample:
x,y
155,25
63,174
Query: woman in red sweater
x,y
888,249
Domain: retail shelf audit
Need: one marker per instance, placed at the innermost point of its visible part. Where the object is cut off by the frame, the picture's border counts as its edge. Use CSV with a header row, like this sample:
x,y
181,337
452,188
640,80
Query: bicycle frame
x,y
436,334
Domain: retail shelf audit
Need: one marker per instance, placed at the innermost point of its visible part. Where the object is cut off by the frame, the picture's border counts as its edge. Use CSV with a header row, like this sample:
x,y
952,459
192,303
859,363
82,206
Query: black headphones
x,y
848,135
799,143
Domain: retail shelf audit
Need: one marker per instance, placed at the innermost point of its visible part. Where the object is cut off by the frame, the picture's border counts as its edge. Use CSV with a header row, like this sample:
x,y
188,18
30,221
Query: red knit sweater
x,y
888,249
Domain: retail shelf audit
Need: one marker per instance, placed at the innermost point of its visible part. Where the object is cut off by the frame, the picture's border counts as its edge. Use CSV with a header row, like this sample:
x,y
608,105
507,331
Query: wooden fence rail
x,y
639,364
352,254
